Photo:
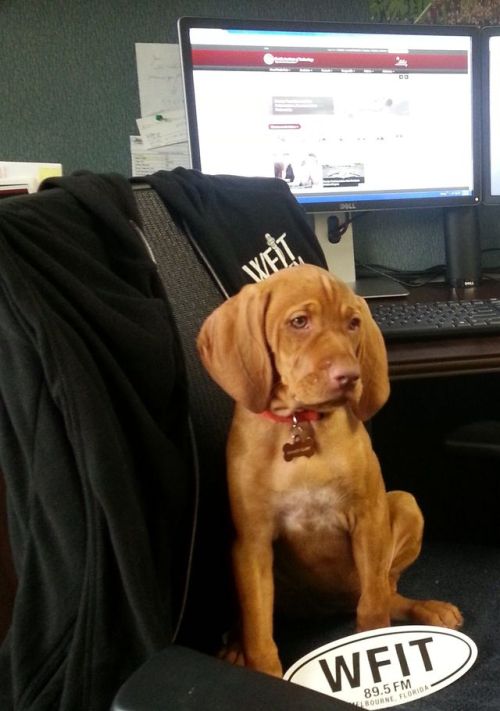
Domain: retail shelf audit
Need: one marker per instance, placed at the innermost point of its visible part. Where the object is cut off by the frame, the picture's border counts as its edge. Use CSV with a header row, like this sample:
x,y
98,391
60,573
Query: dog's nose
x,y
343,376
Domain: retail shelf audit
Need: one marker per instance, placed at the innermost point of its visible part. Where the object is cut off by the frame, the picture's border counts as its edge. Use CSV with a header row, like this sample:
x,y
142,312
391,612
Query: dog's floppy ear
x,y
372,357
233,348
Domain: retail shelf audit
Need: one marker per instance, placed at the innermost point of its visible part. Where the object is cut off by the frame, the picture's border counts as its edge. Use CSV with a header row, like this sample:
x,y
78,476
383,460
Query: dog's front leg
x,y
372,550
253,568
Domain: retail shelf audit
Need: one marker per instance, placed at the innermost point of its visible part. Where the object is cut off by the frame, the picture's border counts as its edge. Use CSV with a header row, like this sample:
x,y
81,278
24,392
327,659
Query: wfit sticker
x,y
386,667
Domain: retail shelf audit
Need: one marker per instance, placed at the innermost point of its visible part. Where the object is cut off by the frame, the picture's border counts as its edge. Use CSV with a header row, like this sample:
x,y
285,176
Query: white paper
x,y
163,129
159,76
146,162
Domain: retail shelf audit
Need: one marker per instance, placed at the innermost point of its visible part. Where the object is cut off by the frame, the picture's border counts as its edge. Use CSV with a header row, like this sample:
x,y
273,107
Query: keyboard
x,y
437,319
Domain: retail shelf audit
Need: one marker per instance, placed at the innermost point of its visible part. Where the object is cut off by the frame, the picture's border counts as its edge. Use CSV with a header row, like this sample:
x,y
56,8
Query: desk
x,y
437,386
446,356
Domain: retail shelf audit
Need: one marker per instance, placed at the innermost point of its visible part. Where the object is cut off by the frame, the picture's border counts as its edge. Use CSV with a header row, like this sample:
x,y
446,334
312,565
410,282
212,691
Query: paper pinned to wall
x,y
162,144
159,76
146,162
163,129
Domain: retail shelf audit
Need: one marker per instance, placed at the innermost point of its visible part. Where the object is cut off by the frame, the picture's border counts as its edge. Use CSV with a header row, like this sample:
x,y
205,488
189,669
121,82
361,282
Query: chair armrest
x,y
179,678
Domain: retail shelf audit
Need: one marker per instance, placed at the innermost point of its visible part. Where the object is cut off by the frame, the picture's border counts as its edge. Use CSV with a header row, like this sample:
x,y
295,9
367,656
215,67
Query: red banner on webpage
x,y
268,60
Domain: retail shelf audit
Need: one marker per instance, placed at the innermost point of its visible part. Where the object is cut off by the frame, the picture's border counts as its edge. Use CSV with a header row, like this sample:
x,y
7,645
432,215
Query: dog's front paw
x,y
437,613
269,663
233,653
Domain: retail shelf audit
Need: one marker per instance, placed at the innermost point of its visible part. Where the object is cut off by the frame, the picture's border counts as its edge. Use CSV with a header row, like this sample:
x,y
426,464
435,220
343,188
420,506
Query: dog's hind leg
x,y
407,529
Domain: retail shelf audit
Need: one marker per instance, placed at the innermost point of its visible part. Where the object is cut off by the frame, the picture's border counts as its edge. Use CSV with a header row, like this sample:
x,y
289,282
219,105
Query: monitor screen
x,y
351,116
491,115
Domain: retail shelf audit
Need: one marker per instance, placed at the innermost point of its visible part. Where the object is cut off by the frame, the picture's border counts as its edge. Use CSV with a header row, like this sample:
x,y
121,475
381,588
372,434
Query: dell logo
x,y
347,205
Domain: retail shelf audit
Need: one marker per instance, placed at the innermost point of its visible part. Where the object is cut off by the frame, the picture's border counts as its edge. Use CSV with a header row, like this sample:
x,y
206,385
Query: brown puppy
x,y
306,364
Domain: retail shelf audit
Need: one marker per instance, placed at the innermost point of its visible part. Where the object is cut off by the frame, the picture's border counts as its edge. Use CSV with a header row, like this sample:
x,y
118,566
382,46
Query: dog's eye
x,y
354,323
299,321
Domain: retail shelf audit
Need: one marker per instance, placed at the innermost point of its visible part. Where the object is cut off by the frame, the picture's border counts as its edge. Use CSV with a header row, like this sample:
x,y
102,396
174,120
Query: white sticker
x,y
386,667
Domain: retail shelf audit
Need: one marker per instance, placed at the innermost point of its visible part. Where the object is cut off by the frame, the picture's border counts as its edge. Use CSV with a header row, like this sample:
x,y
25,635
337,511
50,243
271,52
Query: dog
x,y
306,365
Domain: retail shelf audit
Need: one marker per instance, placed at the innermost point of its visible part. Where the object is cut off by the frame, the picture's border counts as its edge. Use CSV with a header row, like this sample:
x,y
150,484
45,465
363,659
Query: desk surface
x,y
446,356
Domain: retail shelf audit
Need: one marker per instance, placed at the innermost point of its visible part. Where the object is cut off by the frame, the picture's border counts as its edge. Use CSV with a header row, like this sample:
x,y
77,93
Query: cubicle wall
x,y
70,95
68,70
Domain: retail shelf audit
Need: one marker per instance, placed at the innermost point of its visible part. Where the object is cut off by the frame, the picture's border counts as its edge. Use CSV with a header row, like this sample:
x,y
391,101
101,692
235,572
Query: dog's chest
x,y
309,510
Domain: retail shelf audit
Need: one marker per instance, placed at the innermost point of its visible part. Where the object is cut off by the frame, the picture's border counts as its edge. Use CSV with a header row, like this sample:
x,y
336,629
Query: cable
x,y
408,278
337,229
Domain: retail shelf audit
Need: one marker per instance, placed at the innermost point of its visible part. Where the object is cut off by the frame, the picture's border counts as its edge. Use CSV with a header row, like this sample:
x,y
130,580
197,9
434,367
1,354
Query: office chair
x,y
176,678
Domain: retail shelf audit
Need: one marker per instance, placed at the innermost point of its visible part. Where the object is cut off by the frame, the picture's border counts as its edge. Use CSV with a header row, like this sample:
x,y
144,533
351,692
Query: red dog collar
x,y
299,416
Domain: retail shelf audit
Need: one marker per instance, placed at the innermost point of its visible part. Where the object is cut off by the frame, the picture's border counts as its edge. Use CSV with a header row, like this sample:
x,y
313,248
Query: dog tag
x,y
303,443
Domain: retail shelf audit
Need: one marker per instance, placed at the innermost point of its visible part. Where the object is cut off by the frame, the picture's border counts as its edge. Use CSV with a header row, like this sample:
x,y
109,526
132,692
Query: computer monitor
x,y
353,117
491,114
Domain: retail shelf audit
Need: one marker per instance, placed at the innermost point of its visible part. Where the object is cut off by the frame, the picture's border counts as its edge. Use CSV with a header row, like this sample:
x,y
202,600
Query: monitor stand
x,y
340,260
